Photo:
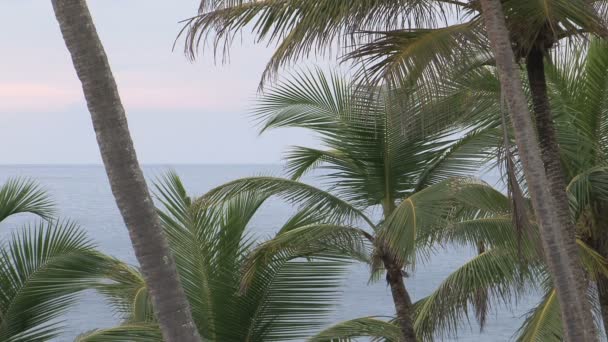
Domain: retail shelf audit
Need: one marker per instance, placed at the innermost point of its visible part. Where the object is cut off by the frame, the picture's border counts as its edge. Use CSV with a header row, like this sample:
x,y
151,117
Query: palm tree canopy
x,y
287,297
396,39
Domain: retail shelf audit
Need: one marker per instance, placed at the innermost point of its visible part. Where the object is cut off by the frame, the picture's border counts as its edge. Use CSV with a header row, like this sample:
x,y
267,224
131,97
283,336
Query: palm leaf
x,y
300,27
42,270
359,327
496,271
24,196
543,322
295,192
124,333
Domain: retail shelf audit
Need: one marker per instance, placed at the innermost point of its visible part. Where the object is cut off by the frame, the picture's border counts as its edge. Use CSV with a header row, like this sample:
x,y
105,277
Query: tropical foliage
x,y
286,298
43,266
370,162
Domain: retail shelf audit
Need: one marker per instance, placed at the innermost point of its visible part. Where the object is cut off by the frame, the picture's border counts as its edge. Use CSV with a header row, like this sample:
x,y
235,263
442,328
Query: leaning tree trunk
x,y
598,239
126,178
558,245
549,145
548,138
602,280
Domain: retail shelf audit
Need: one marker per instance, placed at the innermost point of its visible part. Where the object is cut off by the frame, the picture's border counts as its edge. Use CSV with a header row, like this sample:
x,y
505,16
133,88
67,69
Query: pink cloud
x,y
176,97
156,92
26,97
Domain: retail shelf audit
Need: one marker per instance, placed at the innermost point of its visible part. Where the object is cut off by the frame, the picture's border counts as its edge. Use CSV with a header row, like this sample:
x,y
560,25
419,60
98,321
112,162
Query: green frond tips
x,y
543,322
360,327
495,271
42,270
124,333
301,27
19,195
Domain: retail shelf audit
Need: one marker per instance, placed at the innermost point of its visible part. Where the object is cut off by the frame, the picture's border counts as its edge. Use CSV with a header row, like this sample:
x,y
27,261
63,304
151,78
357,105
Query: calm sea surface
x,y
83,195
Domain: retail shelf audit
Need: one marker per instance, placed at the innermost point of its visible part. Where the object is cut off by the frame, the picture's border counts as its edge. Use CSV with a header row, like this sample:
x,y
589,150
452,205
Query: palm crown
x,y
286,298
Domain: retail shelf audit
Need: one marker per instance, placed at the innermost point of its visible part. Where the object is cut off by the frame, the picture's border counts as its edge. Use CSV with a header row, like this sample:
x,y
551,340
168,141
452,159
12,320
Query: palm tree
x,y
410,41
43,267
507,269
286,298
557,230
576,88
126,178
370,164
576,91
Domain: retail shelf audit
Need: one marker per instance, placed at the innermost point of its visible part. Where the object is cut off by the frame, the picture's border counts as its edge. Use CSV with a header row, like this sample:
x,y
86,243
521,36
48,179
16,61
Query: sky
x,y
178,111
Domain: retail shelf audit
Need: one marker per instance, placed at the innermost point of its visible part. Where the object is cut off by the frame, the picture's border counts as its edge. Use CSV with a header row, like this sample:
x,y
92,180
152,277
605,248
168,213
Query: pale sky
x,y
178,111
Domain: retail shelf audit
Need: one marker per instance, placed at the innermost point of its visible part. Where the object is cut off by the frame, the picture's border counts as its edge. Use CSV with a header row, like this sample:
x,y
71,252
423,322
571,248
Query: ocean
x,y
82,194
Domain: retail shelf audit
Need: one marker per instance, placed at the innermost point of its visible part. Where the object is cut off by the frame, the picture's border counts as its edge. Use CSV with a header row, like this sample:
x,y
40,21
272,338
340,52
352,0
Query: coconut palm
x,y
577,91
546,188
125,176
287,298
405,41
369,163
576,86
43,266
506,270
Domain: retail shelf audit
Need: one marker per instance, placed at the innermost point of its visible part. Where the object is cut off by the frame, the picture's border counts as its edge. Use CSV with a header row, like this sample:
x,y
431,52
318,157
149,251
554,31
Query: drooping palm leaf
x,y
124,333
42,270
496,271
295,192
20,195
359,327
299,27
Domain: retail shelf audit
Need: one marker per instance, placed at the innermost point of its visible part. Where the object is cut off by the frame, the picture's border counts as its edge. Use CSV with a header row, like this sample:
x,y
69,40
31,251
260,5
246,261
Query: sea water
x,y
82,194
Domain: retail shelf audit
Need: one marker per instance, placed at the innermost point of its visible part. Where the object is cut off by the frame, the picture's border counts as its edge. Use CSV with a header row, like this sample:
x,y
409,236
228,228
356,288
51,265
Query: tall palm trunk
x,y
547,138
549,146
394,278
126,178
602,280
558,245
598,225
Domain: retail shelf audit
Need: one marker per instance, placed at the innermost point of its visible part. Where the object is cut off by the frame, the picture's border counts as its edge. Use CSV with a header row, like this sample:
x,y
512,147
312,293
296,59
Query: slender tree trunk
x,y
559,248
598,239
602,288
401,299
548,138
126,178
394,278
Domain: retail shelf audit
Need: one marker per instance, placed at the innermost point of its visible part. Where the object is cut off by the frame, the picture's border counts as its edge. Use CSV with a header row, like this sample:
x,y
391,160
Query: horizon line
x,y
143,164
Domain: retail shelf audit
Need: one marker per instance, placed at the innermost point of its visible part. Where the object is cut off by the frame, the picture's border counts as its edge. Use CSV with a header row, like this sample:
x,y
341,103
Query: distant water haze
x,y
82,194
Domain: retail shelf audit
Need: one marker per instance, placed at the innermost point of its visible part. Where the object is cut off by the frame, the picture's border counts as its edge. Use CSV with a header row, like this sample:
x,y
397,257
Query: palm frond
x,y
126,291
302,194
308,241
543,322
420,55
42,270
360,327
124,333
20,195
496,271
300,27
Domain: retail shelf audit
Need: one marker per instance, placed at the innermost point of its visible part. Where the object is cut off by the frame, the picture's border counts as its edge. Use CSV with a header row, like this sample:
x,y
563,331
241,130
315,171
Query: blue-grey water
x,y
83,195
